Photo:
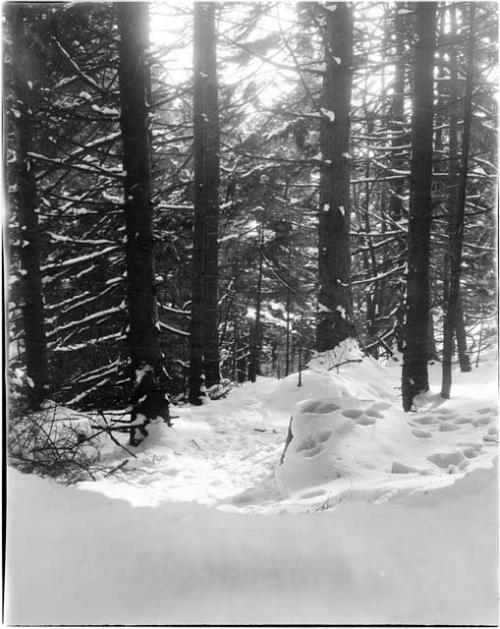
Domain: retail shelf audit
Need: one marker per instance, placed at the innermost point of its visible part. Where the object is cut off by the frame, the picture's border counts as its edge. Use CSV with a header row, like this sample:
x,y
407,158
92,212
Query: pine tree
x,y
141,292
415,375
204,365
334,322
456,222
26,85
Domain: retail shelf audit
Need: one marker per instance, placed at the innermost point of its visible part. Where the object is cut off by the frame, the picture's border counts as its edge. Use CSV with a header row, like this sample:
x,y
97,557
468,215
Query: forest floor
x,y
374,516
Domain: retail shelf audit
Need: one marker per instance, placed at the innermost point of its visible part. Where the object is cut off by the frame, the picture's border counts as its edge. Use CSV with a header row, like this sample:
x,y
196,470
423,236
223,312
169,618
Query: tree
x,y
26,85
415,376
456,222
204,364
143,332
334,322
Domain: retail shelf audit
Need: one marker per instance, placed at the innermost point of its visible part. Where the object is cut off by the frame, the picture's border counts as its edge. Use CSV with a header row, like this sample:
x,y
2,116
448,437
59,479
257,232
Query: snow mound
x,y
77,558
368,448
351,441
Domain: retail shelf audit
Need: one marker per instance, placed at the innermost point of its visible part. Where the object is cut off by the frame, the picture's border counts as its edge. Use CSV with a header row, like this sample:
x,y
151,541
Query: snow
x,y
367,520
327,113
341,311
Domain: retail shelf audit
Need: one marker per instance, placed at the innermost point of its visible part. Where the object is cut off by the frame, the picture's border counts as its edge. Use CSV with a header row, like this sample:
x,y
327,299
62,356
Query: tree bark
x,y
143,336
456,220
396,208
204,364
255,344
334,318
463,356
415,376
26,76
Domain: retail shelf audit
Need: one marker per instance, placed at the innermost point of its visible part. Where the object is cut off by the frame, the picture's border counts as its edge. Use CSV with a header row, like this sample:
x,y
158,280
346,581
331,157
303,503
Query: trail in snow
x,y
227,452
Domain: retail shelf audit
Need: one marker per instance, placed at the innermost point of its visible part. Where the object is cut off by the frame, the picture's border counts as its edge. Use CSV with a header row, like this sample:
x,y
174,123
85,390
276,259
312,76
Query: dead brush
x,y
47,444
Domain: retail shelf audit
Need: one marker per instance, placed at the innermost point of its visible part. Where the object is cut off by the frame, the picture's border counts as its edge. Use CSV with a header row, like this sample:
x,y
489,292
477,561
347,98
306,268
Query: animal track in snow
x,y
364,418
373,412
481,421
483,411
352,413
446,411
365,421
472,451
418,432
324,435
314,445
447,426
445,459
426,419
320,407
492,435
464,419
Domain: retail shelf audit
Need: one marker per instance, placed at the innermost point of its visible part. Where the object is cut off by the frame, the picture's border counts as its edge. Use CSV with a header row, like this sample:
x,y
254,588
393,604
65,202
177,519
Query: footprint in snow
x,y
366,421
492,436
483,411
352,413
314,445
472,451
426,419
481,421
418,432
446,411
366,418
320,407
447,426
463,419
373,412
445,460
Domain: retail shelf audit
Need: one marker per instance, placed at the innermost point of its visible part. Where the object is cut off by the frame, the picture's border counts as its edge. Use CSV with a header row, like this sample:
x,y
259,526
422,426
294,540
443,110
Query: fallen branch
x,y
346,362
115,469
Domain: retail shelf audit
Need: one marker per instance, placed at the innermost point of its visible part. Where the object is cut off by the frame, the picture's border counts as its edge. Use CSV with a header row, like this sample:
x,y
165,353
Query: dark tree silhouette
x,y
415,375
456,226
334,319
26,83
204,364
141,293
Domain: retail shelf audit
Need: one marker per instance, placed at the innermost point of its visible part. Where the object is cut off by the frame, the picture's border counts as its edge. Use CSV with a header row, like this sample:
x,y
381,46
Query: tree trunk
x,y
254,362
141,291
26,86
431,341
463,356
396,209
456,221
415,376
334,318
204,364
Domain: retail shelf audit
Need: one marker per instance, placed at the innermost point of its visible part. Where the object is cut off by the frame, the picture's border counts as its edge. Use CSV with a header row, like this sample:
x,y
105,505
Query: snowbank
x,y
371,448
76,557
335,535
360,444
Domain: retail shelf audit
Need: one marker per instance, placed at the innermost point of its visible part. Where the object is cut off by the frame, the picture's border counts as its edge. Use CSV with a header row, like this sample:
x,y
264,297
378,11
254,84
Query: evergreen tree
x,y
204,365
334,295
141,291
415,375
25,56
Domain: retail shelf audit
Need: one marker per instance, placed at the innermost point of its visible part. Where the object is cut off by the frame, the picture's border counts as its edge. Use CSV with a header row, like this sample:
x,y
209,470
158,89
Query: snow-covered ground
x,y
374,516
